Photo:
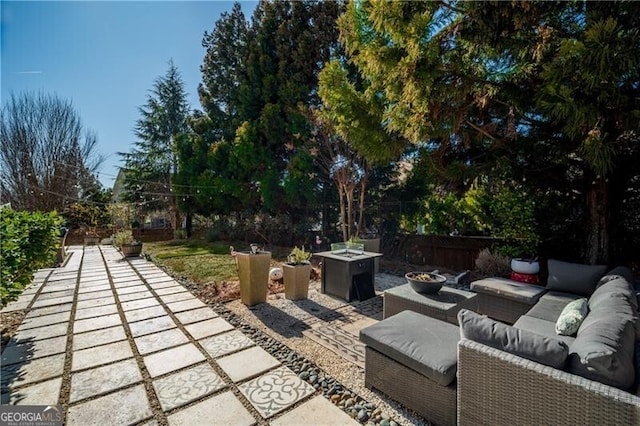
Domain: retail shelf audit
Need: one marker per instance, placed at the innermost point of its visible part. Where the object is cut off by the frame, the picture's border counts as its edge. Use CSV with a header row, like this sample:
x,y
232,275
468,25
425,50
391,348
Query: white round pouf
x,y
275,274
525,266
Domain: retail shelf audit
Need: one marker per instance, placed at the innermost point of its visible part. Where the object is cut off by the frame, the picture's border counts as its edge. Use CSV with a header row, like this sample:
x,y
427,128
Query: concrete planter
x,y
253,271
296,281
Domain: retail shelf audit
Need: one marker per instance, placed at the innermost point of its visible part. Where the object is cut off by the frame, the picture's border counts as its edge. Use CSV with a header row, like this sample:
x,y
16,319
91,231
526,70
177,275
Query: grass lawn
x,y
203,262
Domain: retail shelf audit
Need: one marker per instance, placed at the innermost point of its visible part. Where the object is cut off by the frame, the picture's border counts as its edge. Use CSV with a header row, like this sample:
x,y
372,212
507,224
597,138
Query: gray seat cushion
x,y
574,277
509,289
542,327
551,305
426,345
525,344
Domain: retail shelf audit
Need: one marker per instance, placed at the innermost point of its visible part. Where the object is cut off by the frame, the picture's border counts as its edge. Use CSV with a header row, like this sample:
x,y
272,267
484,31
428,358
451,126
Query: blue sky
x,y
104,57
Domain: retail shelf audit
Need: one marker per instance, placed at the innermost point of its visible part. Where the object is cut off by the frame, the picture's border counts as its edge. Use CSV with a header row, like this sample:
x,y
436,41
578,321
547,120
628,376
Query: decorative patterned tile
x,y
224,408
208,328
158,341
186,386
275,391
247,363
226,343
104,379
172,359
98,337
128,406
100,355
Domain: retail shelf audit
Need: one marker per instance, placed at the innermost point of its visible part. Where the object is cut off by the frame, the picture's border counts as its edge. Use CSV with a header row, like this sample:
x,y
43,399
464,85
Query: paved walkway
x,y
137,347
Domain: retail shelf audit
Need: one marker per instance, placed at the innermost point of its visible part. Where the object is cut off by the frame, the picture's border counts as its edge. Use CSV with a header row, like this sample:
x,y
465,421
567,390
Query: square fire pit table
x,y
443,305
348,275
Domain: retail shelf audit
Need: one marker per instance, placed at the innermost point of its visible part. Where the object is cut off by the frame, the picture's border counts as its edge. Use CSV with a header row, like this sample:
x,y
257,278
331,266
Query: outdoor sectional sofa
x,y
489,372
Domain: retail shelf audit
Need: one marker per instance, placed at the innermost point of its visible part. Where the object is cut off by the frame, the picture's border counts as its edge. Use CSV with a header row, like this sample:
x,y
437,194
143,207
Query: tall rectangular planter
x,y
296,281
253,271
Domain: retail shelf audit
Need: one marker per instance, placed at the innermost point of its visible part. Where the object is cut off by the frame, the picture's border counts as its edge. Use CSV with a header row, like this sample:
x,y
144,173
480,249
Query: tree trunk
x,y
597,250
349,197
363,188
343,214
189,224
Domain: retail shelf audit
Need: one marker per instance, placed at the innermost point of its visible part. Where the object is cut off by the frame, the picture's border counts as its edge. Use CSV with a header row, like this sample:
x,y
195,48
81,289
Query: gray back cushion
x,y
574,277
522,343
604,350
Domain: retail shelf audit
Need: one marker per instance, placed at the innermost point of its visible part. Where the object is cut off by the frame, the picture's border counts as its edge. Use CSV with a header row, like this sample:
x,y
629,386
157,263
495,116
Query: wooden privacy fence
x,y
456,253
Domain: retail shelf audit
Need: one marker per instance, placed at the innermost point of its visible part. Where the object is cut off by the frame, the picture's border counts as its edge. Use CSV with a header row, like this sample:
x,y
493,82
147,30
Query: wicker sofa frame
x,y
498,388
412,389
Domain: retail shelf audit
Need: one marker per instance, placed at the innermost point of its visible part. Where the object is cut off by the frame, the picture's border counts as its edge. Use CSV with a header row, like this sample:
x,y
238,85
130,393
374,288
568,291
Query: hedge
x,y
28,241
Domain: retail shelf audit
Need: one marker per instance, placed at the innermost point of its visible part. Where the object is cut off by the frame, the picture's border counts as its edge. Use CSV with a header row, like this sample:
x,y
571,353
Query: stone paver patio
x,y
136,347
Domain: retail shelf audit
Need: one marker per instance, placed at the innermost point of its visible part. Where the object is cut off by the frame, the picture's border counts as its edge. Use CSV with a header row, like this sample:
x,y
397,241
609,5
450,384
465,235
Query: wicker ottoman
x,y
505,300
413,359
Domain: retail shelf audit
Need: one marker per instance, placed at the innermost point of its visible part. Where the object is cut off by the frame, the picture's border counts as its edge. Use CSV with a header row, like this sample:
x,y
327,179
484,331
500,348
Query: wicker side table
x,y
443,305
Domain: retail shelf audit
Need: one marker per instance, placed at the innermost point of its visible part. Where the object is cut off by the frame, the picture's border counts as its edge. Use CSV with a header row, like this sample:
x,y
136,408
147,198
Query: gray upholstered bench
x,y
505,300
413,359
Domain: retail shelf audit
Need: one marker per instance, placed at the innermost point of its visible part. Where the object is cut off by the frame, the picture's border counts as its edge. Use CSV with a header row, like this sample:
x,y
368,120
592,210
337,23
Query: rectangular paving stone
x,y
95,295
317,411
247,363
101,287
96,312
56,293
108,378
44,393
177,297
172,359
100,355
18,305
163,284
208,328
21,351
225,408
172,290
125,407
48,310
226,343
32,371
185,305
275,391
94,282
161,340
145,313
139,304
98,337
195,315
132,289
44,332
153,325
187,385
89,324
93,303
135,296
50,302
39,321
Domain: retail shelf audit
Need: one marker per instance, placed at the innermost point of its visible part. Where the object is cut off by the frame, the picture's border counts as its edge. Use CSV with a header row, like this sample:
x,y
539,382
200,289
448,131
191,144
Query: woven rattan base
x,y
432,401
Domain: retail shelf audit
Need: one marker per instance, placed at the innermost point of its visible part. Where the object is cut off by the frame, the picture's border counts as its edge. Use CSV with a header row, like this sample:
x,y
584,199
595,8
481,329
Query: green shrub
x,y
29,242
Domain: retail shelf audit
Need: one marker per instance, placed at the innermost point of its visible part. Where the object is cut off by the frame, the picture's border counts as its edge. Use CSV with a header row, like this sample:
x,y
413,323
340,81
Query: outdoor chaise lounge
x,y
521,374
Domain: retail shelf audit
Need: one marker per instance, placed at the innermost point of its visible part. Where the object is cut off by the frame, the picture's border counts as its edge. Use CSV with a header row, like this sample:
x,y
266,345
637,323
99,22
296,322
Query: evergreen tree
x,y
150,166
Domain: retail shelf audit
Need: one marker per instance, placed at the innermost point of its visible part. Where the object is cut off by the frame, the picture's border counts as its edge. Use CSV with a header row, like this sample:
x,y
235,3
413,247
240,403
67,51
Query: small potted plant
x,y
296,274
126,244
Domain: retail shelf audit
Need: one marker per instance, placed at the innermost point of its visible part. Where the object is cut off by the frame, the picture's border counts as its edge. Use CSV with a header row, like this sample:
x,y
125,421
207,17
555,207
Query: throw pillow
x,y
522,343
574,277
571,317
